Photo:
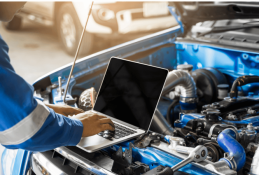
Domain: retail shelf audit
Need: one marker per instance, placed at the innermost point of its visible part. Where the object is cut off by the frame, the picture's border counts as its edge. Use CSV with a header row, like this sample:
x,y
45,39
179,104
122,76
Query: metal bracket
x,y
161,170
123,163
146,139
123,159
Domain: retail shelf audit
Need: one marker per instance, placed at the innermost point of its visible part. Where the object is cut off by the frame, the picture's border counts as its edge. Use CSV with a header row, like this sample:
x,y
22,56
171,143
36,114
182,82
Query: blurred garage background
x,y
44,35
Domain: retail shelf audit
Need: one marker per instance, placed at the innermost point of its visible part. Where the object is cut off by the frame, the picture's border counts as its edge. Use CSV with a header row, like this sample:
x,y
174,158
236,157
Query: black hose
x,y
171,108
240,81
160,125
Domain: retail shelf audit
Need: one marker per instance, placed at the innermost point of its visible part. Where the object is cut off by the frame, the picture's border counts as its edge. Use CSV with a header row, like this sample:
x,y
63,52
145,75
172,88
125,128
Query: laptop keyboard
x,y
120,131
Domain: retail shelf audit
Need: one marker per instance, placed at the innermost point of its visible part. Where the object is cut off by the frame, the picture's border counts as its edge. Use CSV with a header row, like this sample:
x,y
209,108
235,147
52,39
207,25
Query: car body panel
x,y
123,50
232,62
82,9
45,8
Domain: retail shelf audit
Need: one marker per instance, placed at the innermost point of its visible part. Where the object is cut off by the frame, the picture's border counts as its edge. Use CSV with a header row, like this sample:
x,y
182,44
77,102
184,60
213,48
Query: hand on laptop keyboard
x,y
94,123
119,132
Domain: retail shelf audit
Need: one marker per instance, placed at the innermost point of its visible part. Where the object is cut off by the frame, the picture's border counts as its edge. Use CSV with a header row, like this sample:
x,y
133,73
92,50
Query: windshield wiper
x,y
228,28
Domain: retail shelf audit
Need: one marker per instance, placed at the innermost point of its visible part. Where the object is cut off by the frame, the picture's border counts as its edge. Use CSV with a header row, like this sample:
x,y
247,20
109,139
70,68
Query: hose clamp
x,y
188,99
231,161
233,128
211,130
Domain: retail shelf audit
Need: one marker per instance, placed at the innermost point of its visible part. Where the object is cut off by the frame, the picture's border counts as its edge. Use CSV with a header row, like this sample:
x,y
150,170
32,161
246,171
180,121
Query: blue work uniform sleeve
x,y
25,122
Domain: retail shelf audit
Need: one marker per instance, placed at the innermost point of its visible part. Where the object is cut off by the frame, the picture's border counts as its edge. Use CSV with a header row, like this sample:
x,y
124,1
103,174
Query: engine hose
x,y
182,78
171,108
227,140
240,81
160,125
188,91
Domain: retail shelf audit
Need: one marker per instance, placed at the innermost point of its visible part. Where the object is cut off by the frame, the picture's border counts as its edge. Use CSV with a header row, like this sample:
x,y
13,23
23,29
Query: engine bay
x,y
199,111
209,109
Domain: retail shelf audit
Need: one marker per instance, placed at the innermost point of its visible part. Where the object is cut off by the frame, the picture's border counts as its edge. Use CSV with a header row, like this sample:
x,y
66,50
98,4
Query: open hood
x,y
193,12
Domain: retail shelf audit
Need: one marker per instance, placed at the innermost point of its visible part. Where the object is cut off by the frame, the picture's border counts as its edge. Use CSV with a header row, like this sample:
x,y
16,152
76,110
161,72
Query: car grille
x,y
59,164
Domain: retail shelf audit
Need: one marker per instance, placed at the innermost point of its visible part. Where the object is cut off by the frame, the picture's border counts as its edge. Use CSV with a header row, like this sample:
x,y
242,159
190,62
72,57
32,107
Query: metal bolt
x,y
197,156
177,121
250,126
214,139
203,153
226,155
54,86
231,116
250,111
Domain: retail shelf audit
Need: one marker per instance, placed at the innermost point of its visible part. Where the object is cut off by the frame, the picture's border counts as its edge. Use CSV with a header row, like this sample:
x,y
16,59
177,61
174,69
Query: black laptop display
x,y
130,92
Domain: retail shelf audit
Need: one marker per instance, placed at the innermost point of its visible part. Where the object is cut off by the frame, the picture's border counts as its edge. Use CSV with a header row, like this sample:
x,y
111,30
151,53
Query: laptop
x,y
128,95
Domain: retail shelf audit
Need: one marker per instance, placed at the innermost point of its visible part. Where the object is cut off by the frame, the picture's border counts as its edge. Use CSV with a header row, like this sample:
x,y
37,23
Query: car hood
x,y
194,12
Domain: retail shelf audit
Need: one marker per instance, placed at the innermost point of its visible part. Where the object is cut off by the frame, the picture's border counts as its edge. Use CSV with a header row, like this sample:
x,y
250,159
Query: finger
x,y
106,121
94,114
107,127
78,109
81,110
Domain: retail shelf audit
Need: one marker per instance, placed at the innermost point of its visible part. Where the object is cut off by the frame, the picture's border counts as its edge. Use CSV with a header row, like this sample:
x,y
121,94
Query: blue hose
x,y
237,156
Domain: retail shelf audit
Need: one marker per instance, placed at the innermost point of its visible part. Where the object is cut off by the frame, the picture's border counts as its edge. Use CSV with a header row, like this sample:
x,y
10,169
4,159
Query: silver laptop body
x,y
97,142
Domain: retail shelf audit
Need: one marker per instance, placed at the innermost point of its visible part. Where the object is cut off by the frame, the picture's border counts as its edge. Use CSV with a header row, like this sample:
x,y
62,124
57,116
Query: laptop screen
x,y
130,92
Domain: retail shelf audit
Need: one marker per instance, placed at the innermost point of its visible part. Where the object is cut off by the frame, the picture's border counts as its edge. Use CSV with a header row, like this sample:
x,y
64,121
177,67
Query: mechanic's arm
x,y
27,123
65,109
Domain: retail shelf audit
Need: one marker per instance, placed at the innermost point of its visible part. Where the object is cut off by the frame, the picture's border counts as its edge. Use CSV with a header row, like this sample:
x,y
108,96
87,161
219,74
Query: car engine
x,y
201,113
225,123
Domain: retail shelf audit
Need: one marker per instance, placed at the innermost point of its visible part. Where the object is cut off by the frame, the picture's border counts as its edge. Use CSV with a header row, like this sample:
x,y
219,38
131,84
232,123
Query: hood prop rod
x,y
77,52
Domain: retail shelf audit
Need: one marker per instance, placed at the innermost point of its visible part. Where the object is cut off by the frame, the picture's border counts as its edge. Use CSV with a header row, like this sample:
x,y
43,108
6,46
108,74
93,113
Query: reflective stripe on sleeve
x,y
27,127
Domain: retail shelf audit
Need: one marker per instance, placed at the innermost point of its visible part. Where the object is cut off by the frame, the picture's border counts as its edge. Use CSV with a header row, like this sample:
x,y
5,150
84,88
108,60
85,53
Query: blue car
x,y
207,119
